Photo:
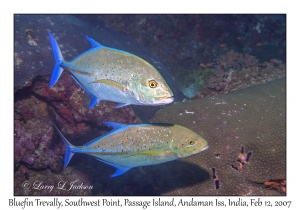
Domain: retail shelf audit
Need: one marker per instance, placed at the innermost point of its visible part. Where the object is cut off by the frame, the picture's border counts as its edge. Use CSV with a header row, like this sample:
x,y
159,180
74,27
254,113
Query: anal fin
x,y
94,101
119,169
93,98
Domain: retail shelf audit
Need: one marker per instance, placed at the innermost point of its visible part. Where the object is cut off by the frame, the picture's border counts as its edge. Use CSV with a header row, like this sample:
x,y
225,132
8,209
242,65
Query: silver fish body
x,y
113,75
129,146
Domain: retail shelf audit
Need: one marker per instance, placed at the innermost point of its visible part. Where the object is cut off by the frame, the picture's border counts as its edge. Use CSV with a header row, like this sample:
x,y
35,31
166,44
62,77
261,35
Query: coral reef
x,y
235,71
246,134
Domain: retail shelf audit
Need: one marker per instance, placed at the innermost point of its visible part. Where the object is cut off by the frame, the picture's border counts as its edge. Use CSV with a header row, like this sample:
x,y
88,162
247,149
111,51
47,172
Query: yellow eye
x,y
152,83
191,141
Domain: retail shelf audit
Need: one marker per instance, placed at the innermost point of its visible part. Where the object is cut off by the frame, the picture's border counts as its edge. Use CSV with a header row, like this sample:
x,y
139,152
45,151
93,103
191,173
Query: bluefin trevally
x,y
113,75
129,146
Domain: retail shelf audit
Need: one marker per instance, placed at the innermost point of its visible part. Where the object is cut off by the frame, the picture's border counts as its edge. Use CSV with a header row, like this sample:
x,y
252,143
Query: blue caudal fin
x,y
69,154
58,60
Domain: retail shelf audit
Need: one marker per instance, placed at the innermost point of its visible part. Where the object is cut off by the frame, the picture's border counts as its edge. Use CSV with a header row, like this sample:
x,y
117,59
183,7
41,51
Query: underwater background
x,y
227,73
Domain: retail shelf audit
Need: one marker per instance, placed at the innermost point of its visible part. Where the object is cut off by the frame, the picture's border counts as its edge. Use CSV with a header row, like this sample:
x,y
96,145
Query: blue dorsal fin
x,y
115,125
119,169
93,42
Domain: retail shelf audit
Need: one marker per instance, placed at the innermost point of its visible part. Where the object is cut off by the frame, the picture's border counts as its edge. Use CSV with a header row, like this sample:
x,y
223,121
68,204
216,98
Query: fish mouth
x,y
205,148
198,150
164,100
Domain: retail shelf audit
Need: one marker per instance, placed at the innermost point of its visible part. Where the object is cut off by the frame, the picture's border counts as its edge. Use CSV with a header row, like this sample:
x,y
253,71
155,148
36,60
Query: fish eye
x,y
152,83
191,141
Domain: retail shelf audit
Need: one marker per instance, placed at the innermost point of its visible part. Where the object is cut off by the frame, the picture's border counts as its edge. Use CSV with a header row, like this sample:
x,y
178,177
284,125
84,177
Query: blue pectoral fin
x,y
121,105
69,154
58,60
94,101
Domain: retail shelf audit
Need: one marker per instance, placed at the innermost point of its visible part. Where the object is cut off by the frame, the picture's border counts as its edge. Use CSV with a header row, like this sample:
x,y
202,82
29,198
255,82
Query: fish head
x,y
150,89
186,143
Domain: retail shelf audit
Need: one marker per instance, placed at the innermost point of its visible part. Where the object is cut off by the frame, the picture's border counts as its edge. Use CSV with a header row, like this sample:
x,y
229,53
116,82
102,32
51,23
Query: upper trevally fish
x,y
113,75
129,146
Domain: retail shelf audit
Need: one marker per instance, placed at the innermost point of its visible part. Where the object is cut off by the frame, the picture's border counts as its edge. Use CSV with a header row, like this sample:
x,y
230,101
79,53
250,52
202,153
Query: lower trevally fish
x,y
113,75
129,146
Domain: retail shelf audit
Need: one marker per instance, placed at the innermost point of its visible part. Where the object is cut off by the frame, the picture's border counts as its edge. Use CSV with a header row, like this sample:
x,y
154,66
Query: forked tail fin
x,y
69,147
58,61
